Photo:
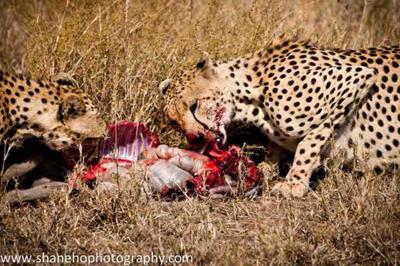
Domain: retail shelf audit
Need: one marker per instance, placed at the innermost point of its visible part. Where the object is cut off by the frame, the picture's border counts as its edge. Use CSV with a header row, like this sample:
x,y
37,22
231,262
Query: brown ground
x,y
119,51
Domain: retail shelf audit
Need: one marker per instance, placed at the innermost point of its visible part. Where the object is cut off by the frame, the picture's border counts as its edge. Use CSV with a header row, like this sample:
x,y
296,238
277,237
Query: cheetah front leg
x,y
307,158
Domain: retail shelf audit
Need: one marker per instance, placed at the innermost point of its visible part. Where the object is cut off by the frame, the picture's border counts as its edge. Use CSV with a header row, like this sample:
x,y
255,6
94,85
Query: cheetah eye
x,y
193,107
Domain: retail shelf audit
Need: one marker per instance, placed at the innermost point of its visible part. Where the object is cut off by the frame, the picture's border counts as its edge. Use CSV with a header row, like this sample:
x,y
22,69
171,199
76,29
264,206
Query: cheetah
x,y
308,100
40,118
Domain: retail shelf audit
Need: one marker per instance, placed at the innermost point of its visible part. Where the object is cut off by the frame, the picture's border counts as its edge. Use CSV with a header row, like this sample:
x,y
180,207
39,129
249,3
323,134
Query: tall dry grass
x,y
119,51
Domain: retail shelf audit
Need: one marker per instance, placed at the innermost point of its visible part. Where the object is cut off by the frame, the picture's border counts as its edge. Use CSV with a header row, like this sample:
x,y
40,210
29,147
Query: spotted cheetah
x,y
311,101
56,112
37,116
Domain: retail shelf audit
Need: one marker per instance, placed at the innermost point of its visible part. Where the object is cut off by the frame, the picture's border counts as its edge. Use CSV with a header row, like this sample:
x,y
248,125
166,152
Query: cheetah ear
x,y
204,62
63,78
277,38
205,66
164,85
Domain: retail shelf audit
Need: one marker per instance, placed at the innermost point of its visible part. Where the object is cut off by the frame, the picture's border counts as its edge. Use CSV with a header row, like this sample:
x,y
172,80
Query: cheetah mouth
x,y
218,134
214,142
208,147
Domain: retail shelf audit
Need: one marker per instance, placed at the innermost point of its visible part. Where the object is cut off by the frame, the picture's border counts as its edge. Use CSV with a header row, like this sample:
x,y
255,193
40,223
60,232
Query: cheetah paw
x,y
290,189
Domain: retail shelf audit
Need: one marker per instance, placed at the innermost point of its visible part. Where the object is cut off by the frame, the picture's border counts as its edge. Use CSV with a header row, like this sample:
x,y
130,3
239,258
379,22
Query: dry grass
x,y
119,51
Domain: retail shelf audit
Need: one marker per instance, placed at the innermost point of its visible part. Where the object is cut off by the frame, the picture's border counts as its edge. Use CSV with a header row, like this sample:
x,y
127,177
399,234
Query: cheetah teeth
x,y
223,132
202,151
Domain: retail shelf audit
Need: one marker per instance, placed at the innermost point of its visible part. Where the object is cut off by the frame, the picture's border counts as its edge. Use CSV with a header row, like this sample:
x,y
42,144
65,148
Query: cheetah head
x,y
196,102
61,120
77,121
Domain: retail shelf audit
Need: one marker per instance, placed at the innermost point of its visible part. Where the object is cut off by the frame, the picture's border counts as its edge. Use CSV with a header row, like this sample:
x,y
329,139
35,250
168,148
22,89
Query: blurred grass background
x,y
119,51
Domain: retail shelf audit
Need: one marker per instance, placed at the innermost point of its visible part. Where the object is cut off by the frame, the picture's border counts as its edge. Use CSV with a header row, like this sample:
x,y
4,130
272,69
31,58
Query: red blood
x,y
96,169
226,163
133,138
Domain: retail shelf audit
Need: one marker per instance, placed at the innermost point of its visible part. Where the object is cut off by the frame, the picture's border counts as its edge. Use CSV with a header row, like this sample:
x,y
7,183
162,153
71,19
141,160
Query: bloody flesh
x,y
130,142
223,163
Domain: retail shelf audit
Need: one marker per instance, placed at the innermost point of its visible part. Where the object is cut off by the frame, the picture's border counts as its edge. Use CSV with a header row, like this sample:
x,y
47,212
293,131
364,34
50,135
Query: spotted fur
x,y
56,112
309,100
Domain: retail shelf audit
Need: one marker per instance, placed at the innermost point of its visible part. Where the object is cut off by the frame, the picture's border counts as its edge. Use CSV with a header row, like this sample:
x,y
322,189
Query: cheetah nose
x,y
195,139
